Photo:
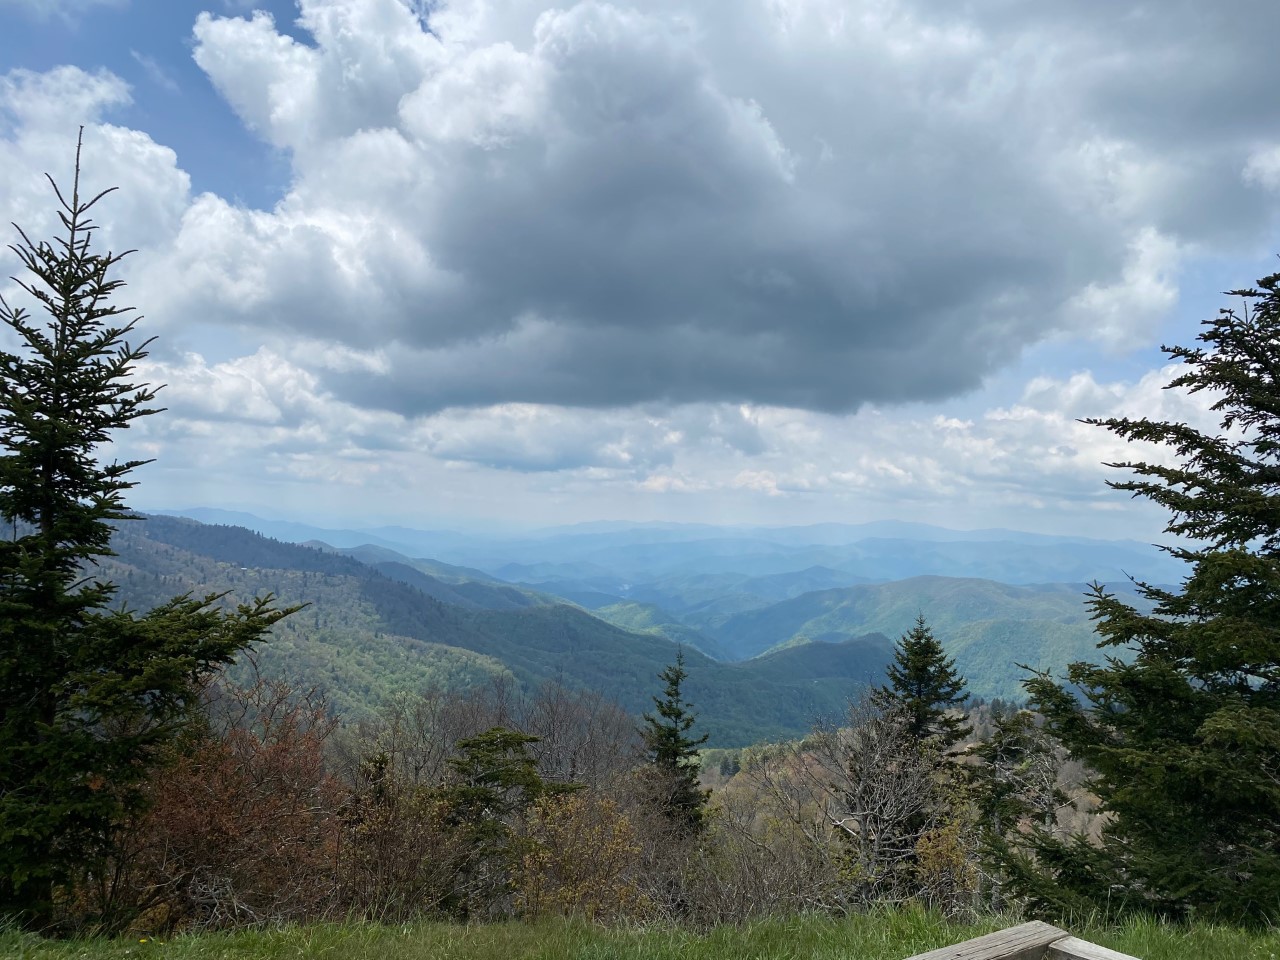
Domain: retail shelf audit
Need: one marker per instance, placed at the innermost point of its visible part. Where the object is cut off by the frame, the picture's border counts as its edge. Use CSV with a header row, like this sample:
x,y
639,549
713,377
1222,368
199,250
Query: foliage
x,y
364,637
1015,777
673,752
496,776
581,859
496,780
241,825
878,804
893,801
924,686
263,814
458,805
754,863
1184,734
401,856
1017,773
647,618
88,695
986,625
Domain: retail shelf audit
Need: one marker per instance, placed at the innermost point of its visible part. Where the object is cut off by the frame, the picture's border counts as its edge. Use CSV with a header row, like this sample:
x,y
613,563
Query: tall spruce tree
x,y
87,694
1183,727
924,684
673,753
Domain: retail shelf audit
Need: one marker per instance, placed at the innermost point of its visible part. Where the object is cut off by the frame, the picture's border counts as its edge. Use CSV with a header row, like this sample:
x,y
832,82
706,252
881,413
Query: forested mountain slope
x,y
988,627
370,631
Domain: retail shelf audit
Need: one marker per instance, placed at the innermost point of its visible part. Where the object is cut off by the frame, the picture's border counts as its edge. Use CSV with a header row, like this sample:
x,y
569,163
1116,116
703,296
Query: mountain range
x,y
371,631
779,626
615,556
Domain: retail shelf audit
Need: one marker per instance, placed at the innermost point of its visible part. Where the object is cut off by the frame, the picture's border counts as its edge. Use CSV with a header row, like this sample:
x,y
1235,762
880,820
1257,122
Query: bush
x,y
241,825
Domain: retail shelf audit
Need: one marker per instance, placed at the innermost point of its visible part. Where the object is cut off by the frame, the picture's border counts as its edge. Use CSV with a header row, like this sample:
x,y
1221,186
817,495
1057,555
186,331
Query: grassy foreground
x,y
887,936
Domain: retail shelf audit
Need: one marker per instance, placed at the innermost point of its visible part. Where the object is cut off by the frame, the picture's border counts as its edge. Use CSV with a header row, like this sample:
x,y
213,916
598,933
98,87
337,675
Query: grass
x,y
880,936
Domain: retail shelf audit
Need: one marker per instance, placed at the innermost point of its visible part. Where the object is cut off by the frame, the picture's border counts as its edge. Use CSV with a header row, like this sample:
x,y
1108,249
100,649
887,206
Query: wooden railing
x,y
1027,941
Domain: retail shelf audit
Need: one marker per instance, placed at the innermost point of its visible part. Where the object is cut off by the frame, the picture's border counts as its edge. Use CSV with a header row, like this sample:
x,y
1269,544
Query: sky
x,y
477,262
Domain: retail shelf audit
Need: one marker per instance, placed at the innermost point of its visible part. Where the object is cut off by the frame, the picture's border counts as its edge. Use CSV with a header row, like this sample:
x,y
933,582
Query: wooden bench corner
x,y
1027,941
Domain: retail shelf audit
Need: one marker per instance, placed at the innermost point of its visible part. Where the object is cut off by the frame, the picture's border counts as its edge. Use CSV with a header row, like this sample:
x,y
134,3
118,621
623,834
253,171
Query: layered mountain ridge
x,y
779,626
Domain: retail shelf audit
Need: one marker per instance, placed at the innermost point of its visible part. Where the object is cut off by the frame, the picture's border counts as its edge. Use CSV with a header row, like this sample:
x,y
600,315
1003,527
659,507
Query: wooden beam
x,y
1073,948
1026,941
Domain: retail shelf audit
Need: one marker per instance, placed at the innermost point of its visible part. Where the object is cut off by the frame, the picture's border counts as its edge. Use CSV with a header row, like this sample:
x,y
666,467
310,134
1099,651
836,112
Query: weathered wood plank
x,y
1026,941
1073,948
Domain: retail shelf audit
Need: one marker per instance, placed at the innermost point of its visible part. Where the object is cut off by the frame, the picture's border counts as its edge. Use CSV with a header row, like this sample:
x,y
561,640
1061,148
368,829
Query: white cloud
x,y
795,204
275,78
262,419
1122,313
46,109
540,438
1263,167
39,102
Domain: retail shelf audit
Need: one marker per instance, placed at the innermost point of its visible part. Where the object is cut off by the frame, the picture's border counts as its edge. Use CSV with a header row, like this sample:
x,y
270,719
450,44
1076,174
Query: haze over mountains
x,y
619,552
780,625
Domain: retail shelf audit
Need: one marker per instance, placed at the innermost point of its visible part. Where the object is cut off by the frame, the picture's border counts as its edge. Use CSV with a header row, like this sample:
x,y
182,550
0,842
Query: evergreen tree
x,y
673,753
88,694
1182,725
497,777
923,683
1017,773
496,781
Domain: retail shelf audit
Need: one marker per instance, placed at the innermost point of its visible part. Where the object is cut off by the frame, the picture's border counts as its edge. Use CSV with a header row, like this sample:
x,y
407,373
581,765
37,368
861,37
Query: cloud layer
x,y
269,429
789,202
677,249
803,203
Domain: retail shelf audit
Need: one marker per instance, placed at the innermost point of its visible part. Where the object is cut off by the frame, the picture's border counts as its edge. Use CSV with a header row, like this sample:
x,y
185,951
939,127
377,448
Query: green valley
x,y
769,653
367,632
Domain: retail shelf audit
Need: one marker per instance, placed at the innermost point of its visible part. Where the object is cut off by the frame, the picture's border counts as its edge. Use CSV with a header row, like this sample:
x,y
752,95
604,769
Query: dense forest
x,y
368,632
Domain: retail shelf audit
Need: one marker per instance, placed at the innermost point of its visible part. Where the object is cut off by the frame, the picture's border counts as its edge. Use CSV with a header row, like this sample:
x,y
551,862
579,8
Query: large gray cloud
x,y
808,203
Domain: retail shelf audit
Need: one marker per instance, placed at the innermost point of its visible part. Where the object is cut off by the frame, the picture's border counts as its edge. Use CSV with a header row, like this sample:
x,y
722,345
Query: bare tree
x,y
583,737
867,799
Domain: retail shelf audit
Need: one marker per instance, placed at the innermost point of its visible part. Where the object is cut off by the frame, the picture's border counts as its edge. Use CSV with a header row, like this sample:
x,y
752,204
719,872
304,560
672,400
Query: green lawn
x,y
890,936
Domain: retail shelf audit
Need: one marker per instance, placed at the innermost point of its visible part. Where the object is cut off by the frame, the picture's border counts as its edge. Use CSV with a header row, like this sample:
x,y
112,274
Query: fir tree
x,y
497,777
924,684
88,694
673,753
496,781
1182,725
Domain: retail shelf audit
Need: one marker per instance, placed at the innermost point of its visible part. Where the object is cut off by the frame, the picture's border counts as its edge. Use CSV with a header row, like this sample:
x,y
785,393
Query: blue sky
x,y
765,261
148,45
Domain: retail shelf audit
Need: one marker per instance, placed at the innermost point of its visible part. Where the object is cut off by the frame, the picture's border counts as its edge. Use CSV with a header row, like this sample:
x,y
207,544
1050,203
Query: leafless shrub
x,y
402,853
399,855
583,736
882,816
751,866
242,825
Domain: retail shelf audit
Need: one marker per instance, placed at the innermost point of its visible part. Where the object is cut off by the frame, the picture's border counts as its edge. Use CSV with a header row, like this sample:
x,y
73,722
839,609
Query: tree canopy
x,y
1181,722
